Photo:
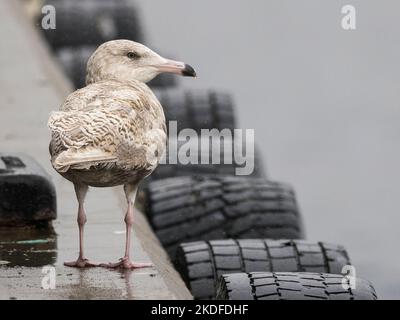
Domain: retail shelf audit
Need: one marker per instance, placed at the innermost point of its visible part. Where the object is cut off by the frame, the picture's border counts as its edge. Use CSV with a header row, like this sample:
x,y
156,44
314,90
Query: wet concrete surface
x,y
23,283
25,251
32,85
28,246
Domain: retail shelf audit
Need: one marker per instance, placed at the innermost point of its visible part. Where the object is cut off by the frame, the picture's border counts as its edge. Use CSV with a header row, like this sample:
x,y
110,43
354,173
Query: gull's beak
x,y
176,67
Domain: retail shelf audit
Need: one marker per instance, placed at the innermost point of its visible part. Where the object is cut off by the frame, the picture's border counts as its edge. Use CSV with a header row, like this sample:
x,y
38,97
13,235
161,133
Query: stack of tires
x,y
229,236
82,25
235,237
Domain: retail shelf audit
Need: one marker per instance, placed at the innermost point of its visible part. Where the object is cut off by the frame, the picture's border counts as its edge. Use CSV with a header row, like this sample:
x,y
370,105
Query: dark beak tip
x,y
188,71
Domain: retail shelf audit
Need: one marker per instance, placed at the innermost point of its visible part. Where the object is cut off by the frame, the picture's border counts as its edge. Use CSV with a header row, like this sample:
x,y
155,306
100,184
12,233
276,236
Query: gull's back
x,y
108,133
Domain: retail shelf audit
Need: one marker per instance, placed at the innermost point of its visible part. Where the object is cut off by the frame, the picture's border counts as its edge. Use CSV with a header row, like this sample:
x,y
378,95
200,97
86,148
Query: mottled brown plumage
x,y
112,132
108,133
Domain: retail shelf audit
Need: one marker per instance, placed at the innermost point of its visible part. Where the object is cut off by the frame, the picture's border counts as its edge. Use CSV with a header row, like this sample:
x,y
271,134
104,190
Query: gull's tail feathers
x,y
81,159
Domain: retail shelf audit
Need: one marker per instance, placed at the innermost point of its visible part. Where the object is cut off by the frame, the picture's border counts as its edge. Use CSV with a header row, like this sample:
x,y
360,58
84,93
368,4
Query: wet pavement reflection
x,y
32,246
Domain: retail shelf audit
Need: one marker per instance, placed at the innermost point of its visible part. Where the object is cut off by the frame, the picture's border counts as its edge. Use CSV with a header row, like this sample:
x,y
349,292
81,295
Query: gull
x,y
112,132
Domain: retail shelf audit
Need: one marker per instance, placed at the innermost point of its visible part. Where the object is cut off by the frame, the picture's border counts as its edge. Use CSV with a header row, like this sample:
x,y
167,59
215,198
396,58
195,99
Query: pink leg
x,y
81,262
125,262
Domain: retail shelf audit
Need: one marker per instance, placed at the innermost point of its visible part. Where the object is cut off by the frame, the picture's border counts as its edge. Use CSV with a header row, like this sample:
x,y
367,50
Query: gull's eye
x,y
132,55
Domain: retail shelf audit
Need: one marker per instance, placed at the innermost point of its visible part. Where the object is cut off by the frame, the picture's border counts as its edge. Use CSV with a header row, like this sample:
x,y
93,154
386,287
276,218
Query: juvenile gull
x,y
112,132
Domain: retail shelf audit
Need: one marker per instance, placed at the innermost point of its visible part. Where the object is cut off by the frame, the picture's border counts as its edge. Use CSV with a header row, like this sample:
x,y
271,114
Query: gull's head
x,y
126,60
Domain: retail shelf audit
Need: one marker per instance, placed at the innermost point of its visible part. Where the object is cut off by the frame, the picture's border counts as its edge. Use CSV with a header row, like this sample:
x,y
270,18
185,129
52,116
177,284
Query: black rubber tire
x,y
196,208
92,22
74,60
198,109
291,286
177,169
27,193
201,263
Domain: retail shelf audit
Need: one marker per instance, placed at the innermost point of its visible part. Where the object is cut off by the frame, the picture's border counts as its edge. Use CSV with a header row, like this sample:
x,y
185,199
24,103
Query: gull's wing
x,y
111,128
